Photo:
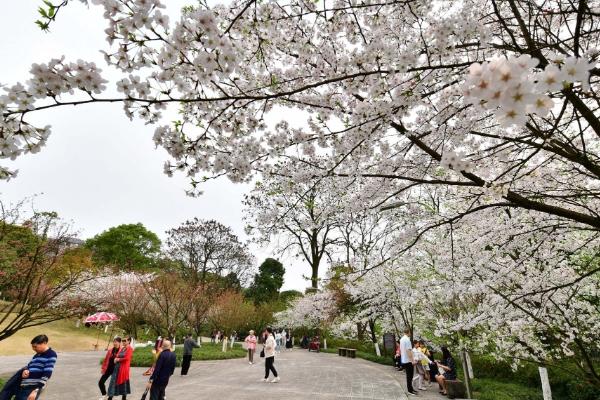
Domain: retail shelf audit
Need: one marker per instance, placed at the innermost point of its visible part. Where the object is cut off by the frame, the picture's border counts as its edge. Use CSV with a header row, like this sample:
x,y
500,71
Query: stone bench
x,y
456,389
344,352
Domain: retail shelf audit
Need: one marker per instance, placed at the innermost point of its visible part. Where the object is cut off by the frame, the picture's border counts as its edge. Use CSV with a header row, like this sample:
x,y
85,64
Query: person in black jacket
x,y
165,366
189,345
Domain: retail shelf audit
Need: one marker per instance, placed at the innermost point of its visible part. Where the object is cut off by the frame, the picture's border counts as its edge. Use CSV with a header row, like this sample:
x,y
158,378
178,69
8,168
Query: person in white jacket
x,y
418,356
270,357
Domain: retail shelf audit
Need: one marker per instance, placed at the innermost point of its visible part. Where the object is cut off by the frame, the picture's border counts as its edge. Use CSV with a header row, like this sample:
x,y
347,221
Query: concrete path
x,y
304,376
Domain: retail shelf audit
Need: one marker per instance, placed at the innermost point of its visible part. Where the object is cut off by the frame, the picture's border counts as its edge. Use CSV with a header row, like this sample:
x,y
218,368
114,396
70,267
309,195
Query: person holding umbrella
x,y
108,366
119,380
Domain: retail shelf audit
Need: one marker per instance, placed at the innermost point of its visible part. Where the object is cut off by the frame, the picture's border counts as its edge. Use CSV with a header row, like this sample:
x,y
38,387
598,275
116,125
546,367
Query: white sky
x,y
99,169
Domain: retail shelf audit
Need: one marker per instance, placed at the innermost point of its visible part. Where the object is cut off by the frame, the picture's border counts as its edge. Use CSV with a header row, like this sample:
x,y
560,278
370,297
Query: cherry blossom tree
x,y
423,98
38,265
122,293
314,310
476,121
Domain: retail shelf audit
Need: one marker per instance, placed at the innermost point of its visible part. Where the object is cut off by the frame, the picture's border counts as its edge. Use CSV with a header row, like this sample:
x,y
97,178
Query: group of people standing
x,y
283,340
420,365
117,364
29,382
269,342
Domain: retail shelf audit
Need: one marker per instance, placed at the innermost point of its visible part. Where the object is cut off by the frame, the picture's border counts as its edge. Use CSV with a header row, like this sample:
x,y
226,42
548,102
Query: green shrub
x,y
369,356
489,389
143,357
366,346
564,384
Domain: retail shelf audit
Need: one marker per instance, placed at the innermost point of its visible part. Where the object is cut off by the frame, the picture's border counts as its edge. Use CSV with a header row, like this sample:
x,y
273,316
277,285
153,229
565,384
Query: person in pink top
x,y
251,346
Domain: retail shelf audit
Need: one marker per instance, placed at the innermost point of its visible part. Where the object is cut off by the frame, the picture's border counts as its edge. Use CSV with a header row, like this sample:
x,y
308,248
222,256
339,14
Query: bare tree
x,y
168,304
205,249
303,220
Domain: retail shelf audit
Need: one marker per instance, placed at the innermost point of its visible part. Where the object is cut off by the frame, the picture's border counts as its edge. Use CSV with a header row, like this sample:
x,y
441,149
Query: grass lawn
x,y
489,389
63,335
143,357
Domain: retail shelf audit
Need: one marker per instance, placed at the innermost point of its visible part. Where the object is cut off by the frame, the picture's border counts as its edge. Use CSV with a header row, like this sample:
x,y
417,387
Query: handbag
x,y
144,395
262,353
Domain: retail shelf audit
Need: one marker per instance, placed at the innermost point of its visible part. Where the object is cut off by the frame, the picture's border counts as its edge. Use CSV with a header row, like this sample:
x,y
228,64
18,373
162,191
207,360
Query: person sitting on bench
x,y
447,368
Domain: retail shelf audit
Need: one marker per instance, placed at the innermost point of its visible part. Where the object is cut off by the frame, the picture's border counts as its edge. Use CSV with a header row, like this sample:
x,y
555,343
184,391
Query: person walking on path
x,y
251,346
119,380
189,345
284,339
278,342
270,357
407,360
155,353
39,370
108,366
289,344
165,366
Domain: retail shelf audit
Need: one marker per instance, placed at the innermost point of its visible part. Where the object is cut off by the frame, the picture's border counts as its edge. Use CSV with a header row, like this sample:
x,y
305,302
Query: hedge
x,y
143,357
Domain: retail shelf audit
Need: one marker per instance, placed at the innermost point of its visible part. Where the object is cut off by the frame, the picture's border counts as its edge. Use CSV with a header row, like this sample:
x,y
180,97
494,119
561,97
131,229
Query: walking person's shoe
x,y
264,380
412,393
276,379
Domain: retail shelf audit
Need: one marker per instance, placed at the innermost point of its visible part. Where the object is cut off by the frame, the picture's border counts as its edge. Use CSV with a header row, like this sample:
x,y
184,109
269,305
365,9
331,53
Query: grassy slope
x,y
64,336
143,357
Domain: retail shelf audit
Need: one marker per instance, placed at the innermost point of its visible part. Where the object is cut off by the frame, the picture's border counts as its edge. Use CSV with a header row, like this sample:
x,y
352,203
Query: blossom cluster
x,y
48,80
513,89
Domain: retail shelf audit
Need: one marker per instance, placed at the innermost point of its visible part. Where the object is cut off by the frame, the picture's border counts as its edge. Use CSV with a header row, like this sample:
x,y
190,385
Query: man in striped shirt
x,y
38,371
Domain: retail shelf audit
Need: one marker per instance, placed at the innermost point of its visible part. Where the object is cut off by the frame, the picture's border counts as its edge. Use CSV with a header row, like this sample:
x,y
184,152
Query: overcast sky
x,y
99,169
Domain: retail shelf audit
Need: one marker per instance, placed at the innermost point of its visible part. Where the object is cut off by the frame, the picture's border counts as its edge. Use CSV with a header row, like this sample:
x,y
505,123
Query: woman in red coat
x,y
119,381
108,365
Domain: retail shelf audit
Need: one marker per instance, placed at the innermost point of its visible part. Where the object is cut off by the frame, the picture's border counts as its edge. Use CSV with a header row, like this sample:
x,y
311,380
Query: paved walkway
x,y
304,376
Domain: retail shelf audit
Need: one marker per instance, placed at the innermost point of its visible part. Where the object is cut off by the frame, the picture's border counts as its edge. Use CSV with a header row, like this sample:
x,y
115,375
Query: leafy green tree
x,y
129,247
267,282
287,296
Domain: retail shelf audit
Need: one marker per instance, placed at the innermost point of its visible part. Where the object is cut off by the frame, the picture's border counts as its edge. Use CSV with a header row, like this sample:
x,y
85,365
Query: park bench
x,y
344,352
456,389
